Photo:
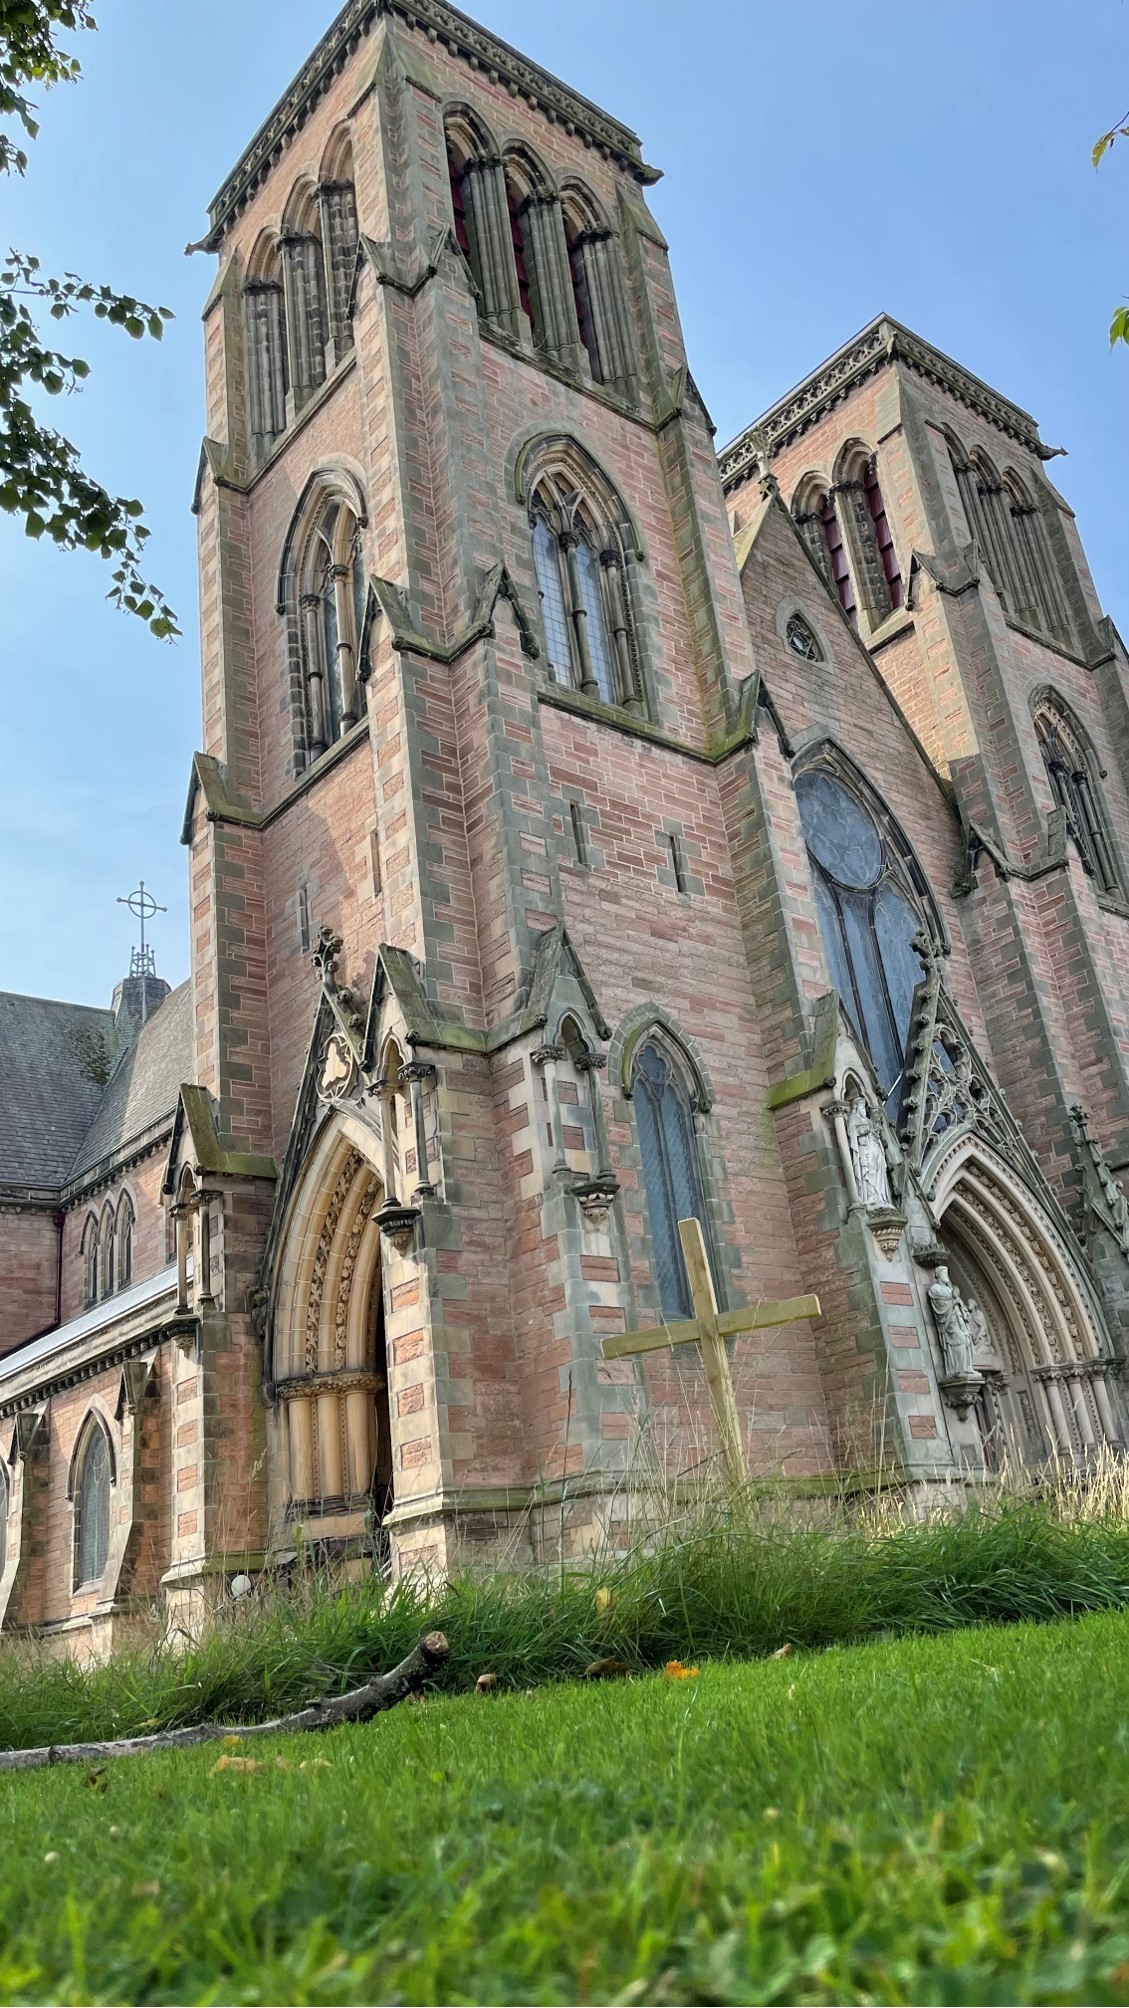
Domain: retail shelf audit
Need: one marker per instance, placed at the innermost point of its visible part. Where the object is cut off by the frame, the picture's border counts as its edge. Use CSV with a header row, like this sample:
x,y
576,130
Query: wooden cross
x,y
710,1328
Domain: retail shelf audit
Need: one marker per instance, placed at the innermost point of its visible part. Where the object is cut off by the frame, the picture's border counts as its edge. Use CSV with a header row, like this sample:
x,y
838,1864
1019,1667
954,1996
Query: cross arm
x,y
686,1331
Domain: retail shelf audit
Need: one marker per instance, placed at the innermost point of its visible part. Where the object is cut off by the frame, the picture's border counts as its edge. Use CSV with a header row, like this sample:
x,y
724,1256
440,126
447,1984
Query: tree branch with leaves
x,y
42,478
1119,326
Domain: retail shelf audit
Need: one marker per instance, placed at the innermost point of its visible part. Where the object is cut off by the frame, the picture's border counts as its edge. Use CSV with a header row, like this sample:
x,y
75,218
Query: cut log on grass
x,y
383,1692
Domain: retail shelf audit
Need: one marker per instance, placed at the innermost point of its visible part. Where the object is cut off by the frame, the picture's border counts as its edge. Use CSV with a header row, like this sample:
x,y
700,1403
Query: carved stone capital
x,y
542,1054
595,1197
961,1390
590,1063
887,1226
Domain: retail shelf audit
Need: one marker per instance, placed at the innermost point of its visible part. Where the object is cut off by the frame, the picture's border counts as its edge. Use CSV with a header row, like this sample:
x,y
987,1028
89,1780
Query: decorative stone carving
x,y
595,1197
1104,1194
321,1257
958,1332
337,1071
398,1224
868,1155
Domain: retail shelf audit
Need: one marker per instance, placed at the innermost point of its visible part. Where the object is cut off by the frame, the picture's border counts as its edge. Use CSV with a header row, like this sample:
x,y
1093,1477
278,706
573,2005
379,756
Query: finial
x,y
142,905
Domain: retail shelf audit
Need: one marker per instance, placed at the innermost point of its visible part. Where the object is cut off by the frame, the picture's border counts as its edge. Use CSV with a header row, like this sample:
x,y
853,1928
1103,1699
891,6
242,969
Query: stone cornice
x,y
440,22
883,342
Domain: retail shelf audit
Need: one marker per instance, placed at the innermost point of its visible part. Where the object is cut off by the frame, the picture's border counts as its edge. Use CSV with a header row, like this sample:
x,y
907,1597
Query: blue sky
x,y
929,159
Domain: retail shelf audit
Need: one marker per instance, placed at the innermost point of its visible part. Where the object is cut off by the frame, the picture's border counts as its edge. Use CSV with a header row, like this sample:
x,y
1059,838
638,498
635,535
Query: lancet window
x,y
580,558
331,611
596,272
1074,776
107,1254
872,900
125,1224
93,1477
90,1261
1008,526
268,362
665,1100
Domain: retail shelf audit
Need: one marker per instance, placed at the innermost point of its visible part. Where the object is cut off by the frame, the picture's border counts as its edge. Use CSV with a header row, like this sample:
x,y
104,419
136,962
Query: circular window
x,y
838,830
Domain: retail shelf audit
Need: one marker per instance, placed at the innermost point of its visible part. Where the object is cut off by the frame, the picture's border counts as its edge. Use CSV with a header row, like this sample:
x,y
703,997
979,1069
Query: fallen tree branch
x,y
383,1692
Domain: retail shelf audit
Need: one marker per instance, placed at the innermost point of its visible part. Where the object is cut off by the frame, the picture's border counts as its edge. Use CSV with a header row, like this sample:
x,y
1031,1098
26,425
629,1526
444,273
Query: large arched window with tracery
x,y
91,1492
672,1178
872,901
581,564
1075,778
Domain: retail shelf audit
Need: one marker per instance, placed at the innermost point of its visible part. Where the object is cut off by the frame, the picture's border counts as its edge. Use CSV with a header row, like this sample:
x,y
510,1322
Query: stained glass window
x,y
92,1509
868,918
801,640
671,1174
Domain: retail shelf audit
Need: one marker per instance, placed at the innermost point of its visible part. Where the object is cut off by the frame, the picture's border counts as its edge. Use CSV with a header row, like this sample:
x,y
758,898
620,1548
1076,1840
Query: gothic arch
x,y
792,609
300,214
535,454
851,461
827,752
337,160
335,480
1049,1328
468,135
91,1482
526,172
324,1367
1074,774
636,1026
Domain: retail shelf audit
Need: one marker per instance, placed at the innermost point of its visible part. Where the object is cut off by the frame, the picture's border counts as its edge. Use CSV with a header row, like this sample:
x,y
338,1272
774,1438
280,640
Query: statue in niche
x,y
956,1328
983,1344
868,1156
1114,1194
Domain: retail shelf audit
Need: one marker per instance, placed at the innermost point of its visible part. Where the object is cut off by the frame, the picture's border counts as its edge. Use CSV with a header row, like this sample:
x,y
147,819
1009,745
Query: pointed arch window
x,y
107,1263
125,1242
837,565
92,1486
332,591
596,271
337,207
1075,779
868,896
581,566
1038,588
672,1178
883,539
90,1262
267,351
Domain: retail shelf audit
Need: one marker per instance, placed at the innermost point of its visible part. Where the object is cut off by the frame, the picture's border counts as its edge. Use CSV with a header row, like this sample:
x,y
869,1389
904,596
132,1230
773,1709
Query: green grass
x,y
938,1819
724,1588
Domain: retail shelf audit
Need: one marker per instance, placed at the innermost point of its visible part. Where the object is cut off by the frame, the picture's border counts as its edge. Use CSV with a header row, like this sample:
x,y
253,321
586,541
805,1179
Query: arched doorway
x,y
327,1367
1042,1348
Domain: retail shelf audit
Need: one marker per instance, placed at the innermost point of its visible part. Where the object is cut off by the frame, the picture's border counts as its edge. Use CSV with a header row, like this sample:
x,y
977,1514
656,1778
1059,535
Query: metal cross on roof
x,y
142,961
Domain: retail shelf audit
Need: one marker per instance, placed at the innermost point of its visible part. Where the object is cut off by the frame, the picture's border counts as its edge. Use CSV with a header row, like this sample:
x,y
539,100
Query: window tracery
x,y
1073,774
580,561
91,1492
672,1178
871,901
327,592
801,639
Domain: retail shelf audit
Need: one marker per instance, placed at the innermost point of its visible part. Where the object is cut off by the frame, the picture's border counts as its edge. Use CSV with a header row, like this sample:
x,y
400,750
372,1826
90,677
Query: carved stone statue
x,y
955,1327
983,1345
872,1173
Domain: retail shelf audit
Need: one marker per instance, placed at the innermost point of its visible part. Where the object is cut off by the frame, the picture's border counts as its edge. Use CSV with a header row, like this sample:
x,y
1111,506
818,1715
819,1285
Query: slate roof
x,y
69,1096
146,1082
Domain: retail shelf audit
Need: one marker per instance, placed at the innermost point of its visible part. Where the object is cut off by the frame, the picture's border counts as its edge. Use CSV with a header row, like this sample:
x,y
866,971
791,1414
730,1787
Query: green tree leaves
x,y
42,478
1119,325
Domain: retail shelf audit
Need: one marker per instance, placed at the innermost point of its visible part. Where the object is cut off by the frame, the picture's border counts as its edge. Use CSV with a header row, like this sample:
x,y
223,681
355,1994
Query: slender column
x,y
547,1057
305,313
331,1475
591,1064
552,278
386,1094
488,225
204,1282
359,1439
300,1414
413,1076
267,376
338,205
342,576
598,272
578,617
870,577
1105,1408
315,675
1081,1409
621,637
836,1113
811,530
182,1219
1060,1427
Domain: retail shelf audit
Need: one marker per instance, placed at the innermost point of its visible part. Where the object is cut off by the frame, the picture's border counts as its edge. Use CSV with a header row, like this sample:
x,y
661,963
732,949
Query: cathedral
x,y
591,831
